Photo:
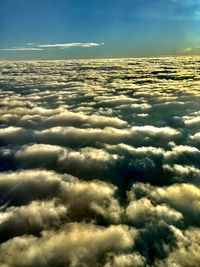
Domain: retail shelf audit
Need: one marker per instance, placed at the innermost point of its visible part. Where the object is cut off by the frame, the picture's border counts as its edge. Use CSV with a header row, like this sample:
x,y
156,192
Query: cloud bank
x,y
99,162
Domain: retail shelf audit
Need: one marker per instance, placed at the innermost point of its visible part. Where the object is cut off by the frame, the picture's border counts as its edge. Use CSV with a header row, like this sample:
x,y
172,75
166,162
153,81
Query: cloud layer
x,y
99,162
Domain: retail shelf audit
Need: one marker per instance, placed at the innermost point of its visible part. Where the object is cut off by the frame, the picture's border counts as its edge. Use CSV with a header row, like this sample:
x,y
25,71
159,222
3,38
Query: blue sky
x,y
98,28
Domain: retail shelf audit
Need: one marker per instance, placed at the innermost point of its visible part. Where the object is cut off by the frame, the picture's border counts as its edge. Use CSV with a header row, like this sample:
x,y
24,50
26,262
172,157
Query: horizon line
x,y
99,58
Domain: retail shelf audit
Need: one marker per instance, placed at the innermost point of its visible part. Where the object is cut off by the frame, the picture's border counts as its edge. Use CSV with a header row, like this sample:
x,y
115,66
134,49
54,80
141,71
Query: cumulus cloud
x,y
81,247
83,199
125,260
187,249
31,219
82,163
99,162
142,212
182,197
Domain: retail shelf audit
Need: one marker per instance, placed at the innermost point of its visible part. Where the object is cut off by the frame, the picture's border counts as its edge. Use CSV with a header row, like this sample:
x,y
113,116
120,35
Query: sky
x,y
59,29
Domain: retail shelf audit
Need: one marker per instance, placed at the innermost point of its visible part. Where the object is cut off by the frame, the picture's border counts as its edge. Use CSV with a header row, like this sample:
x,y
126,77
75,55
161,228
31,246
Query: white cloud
x,y
65,45
38,47
22,49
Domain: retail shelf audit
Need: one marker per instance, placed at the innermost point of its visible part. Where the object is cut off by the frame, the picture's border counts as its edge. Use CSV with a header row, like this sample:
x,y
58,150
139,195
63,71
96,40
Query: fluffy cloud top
x,y
99,162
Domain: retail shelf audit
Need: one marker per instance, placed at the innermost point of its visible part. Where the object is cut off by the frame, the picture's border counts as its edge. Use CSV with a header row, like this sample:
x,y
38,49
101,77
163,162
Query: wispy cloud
x,y
22,49
65,45
187,49
191,49
38,47
30,44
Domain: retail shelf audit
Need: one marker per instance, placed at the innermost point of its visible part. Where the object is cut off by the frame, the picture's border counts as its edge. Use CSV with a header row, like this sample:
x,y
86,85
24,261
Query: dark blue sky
x,y
126,27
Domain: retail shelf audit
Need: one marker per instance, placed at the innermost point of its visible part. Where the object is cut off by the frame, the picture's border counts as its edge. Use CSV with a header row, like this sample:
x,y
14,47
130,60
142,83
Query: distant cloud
x,y
188,49
65,45
30,44
22,49
34,47
192,49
